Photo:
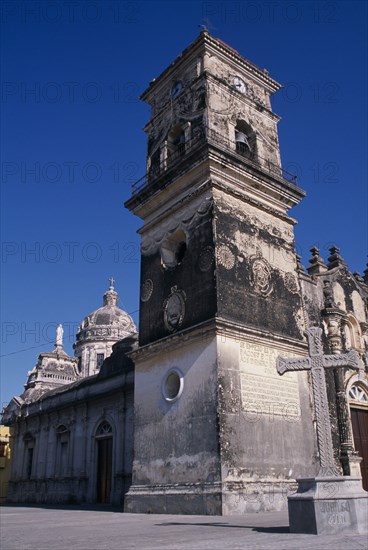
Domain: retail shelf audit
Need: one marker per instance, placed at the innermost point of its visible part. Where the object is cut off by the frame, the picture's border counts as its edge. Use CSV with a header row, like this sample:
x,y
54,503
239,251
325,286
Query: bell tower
x,y
220,297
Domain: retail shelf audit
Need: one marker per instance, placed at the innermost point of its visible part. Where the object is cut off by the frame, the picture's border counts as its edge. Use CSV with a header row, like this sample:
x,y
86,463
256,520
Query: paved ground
x,y
72,528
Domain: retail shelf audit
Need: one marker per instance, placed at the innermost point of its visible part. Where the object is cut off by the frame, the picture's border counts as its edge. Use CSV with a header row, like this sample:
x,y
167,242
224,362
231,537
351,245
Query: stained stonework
x,y
225,304
222,295
146,290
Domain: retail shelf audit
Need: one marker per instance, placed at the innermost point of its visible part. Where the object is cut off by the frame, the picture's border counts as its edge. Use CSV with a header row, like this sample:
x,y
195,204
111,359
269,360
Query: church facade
x,y
223,294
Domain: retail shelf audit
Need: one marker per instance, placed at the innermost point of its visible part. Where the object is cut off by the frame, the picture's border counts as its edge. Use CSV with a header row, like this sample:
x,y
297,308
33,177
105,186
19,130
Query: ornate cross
x,y
316,363
111,281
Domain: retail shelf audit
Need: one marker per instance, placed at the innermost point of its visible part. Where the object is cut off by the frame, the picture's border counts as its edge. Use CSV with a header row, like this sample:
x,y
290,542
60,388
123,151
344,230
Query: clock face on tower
x,y
239,84
177,88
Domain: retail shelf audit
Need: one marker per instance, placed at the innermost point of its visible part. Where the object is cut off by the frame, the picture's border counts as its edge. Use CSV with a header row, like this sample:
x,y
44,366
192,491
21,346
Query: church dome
x,y
108,322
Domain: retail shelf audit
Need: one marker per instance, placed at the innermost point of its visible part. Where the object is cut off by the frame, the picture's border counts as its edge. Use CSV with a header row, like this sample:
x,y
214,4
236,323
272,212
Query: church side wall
x,y
68,475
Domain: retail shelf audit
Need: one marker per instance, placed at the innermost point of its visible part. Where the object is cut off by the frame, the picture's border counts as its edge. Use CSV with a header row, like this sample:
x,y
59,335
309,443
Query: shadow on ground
x,y
80,507
282,529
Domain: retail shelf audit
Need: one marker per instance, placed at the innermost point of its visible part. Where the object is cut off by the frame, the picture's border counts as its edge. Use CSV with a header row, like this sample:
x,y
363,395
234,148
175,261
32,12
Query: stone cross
x,y
111,281
317,363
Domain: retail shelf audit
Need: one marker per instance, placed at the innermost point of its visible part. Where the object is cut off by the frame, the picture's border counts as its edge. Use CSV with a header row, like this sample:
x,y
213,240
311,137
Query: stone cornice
x,y
83,390
217,327
250,200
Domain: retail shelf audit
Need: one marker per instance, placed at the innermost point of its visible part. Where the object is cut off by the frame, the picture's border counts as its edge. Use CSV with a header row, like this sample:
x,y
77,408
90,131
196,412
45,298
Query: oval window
x,y
172,386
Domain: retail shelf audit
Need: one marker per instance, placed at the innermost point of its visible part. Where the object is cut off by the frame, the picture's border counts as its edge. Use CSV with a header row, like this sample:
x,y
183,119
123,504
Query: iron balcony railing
x,y
208,136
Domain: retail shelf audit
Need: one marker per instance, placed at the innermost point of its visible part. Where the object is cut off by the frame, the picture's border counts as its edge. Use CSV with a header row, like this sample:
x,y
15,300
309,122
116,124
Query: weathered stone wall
x,y
267,437
192,275
176,442
257,283
80,410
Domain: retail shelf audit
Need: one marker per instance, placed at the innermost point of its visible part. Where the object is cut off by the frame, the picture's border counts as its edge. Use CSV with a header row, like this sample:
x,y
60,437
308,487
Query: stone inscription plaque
x,y
337,512
263,392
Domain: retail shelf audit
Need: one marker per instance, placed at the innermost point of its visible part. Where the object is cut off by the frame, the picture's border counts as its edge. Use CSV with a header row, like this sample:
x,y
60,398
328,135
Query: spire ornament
x,y
59,337
110,297
317,263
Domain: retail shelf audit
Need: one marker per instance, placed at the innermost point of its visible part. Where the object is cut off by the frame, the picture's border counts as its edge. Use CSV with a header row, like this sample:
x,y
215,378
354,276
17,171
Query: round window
x,y
172,386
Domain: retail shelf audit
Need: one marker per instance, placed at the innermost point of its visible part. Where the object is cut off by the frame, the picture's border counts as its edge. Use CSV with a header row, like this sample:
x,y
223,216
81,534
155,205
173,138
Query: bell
x,y
240,137
241,142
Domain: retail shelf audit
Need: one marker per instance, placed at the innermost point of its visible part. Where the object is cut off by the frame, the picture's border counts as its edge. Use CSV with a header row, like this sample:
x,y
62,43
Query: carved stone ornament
x,y
146,290
261,274
206,258
174,309
290,282
225,257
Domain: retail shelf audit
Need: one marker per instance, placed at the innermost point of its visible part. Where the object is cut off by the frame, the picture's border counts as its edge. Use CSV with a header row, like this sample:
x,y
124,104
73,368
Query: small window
x,y
99,360
173,249
245,139
176,142
28,455
357,393
172,386
29,462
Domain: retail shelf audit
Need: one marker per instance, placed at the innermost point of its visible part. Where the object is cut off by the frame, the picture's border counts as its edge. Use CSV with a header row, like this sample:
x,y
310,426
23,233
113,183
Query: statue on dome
x,y
59,336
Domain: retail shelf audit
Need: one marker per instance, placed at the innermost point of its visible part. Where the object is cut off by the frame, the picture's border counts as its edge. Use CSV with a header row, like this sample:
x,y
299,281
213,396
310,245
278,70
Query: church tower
x,y
215,427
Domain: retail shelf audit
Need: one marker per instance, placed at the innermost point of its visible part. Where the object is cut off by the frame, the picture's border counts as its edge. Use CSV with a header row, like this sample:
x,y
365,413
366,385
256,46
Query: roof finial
x,y
317,262
59,337
110,297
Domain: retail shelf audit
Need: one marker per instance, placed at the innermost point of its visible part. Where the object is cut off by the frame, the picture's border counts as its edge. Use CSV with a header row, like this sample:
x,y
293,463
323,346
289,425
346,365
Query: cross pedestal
x,y
329,503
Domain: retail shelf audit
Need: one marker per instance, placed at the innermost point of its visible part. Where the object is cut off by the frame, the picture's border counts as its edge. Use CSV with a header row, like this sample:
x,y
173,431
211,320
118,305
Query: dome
x,y
108,322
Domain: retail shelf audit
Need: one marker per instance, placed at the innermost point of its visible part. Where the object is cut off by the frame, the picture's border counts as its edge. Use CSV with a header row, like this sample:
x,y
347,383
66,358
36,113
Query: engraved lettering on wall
x,y
262,390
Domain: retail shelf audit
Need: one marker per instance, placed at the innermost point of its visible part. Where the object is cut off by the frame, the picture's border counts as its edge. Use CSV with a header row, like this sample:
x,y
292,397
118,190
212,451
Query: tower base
x,y
210,498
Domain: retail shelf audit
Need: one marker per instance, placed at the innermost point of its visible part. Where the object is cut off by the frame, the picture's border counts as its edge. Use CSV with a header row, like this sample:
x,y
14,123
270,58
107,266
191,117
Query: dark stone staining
x,y
229,416
331,397
312,311
119,361
199,286
237,297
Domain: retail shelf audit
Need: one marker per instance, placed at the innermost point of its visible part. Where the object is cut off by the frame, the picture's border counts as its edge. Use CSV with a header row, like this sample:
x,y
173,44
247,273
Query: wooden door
x,y
359,420
104,469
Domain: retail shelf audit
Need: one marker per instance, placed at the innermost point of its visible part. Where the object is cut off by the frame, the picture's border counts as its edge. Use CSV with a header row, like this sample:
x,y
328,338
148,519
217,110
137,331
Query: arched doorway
x,y
358,401
104,443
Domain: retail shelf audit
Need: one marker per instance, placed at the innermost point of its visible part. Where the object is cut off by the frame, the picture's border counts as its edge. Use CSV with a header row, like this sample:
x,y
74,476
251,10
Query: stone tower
x,y
215,427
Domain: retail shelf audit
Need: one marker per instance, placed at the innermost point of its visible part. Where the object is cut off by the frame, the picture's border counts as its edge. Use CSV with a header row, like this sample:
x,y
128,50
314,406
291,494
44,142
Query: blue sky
x,y
72,142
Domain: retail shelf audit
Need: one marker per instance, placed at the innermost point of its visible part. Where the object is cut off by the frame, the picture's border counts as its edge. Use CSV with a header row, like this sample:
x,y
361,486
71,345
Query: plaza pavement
x,y
79,528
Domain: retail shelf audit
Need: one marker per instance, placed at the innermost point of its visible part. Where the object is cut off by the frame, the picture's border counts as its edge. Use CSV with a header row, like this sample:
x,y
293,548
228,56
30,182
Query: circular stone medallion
x,y
174,309
206,258
146,290
261,272
225,257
